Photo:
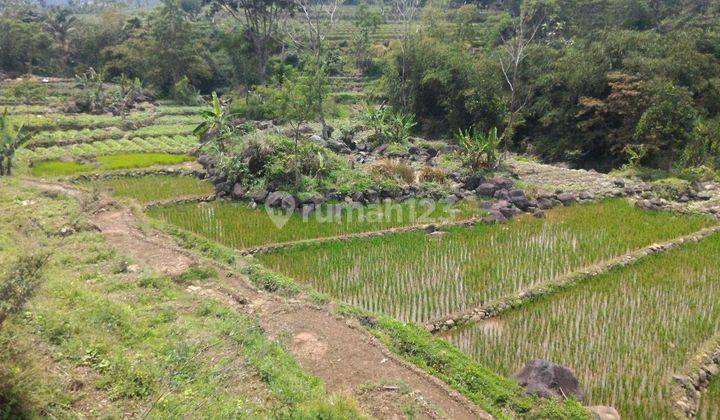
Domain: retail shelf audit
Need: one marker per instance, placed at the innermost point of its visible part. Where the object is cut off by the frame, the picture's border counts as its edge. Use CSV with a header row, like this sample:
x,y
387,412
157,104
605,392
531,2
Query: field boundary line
x,y
179,200
498,306
429,227
686,389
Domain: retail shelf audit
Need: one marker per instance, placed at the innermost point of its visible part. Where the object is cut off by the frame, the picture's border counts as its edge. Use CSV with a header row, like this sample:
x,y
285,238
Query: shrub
x,y
479,151
431,174
392,169
389,126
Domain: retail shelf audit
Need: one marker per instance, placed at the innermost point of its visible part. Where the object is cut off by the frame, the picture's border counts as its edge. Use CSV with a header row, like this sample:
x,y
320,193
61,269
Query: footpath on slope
x,y
346,357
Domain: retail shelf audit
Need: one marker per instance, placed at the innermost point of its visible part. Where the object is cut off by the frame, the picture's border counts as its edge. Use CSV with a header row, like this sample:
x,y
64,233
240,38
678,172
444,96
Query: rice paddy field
x,y
151,188
416,277
107,163
624,333
240,226
709,408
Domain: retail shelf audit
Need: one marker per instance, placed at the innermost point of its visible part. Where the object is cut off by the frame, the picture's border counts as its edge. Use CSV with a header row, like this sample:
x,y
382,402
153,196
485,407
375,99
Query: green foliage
x,y
479,151
388,125
446,88
24,46
216,125
10,140
147,189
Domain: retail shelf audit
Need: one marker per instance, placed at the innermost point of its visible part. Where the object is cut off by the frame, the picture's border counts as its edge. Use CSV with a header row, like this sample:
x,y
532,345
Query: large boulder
x,y
472,182
238,191
549,380
486,189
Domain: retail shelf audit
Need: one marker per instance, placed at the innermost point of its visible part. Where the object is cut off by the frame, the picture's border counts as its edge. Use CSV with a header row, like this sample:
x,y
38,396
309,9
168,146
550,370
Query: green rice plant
x,y
709,407
418,277
238,225
624,333
108,163
58,168
87,135
163,144
140,160
150,188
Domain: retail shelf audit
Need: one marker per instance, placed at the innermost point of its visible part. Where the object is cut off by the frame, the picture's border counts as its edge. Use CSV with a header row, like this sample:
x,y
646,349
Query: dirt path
x,y
339,351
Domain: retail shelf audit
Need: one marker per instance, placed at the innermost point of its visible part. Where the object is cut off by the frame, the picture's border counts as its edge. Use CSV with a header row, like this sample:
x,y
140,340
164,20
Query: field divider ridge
x,y
686,388
179,200
498,306
429,227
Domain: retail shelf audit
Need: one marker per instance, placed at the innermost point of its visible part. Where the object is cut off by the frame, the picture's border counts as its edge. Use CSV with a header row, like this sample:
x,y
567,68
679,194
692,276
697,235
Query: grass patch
x,y
624,334
418,277
100,342
709,407
108,163
54,168
151,188
240,226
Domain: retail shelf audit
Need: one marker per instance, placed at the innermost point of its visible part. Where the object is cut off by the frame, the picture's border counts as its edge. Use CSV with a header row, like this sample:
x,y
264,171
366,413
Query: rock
x,y
501,194
306,210
704,195
259,196
494,216
338,146
545,203
601,412
358,197
275,199
549,380
539,214
205,160
451,199
566,198
472,182
515,193
619,182
587,195
502,182
380,149
371,196
317,139
521,202
238,191
487,189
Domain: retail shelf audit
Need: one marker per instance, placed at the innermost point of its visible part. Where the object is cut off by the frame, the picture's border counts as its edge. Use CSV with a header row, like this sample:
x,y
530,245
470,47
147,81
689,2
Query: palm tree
x,y
10,140
60,22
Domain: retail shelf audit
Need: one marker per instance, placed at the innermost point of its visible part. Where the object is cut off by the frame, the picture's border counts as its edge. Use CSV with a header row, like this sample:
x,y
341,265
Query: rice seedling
x,y
238,225
87,135
418,277
709,408
150,188
624,333
108,163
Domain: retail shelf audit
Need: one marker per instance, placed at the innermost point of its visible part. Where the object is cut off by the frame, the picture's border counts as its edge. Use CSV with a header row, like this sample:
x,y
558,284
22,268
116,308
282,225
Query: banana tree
x,y
10,140
216,123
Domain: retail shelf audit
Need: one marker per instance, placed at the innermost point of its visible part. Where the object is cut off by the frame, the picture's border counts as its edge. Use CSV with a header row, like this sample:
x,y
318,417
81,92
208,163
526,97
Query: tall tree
x,y
59,23
260,20
514,51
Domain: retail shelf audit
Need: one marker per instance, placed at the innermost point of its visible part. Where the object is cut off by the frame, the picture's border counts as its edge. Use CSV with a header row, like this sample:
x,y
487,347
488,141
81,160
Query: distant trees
x,y
60,23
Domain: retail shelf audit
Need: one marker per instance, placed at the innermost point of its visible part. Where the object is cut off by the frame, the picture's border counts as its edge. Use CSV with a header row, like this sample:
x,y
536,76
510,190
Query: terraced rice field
x,y
151,188
162,144
237,225
709,408
108,163
416,277
624,333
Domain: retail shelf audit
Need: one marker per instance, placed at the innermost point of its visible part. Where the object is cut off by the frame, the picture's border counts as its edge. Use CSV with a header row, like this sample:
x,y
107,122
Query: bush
x,y
431,174
391,169
388,125
479,151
